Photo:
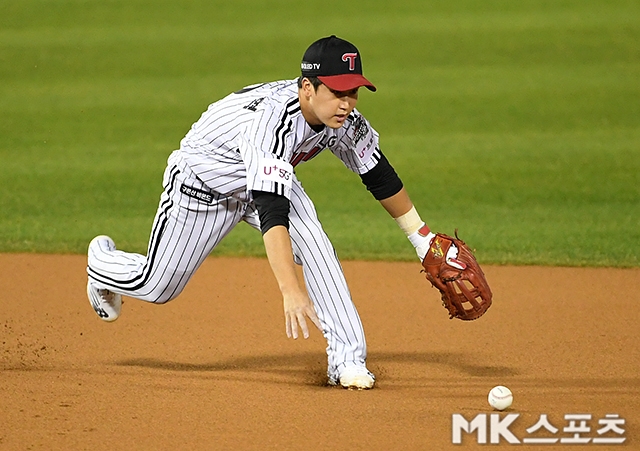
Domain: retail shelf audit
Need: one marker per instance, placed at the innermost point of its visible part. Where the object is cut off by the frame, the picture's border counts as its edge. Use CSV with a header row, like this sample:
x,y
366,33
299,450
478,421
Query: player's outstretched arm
x,y
297,304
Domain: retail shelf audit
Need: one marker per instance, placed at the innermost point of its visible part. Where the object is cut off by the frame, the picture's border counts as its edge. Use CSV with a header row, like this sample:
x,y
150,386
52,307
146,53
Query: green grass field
x,y
516,122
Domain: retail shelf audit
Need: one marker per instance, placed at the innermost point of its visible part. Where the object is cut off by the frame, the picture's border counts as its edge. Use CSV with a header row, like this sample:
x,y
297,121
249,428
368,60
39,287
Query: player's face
x,y
329,107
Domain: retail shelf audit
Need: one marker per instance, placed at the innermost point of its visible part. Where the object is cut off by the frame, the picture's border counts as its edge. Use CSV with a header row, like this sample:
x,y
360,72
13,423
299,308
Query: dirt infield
x,y
213,369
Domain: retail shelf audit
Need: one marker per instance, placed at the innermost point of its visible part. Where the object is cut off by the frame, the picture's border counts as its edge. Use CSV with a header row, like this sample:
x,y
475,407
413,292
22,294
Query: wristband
x,y
410,222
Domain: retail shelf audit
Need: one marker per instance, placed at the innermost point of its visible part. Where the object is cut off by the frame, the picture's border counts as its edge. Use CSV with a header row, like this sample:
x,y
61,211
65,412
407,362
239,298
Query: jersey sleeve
x,y
266,149
358,146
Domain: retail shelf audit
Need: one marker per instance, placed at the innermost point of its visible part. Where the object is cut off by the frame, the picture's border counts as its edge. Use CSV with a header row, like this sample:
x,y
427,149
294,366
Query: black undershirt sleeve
x,y
382,181
273,210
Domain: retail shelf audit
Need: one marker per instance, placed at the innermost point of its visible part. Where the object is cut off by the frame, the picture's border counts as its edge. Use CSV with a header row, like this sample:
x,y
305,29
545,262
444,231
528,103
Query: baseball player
x,y
236,164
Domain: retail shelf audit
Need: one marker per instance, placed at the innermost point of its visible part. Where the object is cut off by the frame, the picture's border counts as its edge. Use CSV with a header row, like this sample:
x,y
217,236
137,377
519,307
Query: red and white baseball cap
x,y
336,63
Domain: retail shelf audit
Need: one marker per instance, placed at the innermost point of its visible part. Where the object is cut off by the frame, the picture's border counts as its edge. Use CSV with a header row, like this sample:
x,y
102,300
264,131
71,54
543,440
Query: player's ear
x,y
307,87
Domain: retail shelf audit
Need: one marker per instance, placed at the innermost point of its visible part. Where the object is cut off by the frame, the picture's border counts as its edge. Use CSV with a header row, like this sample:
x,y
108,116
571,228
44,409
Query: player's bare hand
x,y
296,309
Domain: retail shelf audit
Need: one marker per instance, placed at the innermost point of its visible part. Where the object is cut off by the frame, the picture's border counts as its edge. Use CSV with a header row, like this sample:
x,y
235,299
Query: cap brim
x,y
346,82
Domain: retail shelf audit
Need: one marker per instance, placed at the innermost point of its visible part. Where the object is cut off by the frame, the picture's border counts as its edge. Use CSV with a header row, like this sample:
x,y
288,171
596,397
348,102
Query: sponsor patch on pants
x,y
196,193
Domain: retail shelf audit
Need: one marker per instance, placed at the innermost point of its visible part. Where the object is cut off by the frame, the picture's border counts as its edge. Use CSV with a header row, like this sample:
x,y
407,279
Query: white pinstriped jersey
x,y
252,139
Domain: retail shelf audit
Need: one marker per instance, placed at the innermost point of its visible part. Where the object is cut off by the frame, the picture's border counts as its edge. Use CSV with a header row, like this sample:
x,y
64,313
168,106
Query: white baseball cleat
x,y
106,303
355,378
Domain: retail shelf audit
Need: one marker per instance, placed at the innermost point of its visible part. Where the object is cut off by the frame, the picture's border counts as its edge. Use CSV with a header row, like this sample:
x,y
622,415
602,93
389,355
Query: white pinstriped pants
x,y
187,229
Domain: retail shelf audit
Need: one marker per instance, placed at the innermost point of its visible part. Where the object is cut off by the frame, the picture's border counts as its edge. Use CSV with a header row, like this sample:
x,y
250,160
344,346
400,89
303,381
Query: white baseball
x,y
500,397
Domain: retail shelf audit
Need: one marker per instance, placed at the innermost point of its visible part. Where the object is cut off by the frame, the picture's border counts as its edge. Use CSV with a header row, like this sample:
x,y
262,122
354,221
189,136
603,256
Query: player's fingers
x,y
294,327
288,325
303,325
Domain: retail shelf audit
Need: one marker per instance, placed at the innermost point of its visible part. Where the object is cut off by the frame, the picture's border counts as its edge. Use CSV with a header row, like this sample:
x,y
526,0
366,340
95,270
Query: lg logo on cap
x,y
351,57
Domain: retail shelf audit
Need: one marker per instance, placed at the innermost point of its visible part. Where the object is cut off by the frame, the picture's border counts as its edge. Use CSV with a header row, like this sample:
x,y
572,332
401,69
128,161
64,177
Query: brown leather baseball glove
x,y
451,267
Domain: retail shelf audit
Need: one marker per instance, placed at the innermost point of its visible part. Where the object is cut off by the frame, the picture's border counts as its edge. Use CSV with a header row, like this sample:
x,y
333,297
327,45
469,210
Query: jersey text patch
x,y
253,106
276,171
197,193
363,139
360,130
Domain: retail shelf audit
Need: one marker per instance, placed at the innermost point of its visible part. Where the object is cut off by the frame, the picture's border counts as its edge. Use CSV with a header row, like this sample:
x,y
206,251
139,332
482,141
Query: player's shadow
x,y
245,363
311,366
308,368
